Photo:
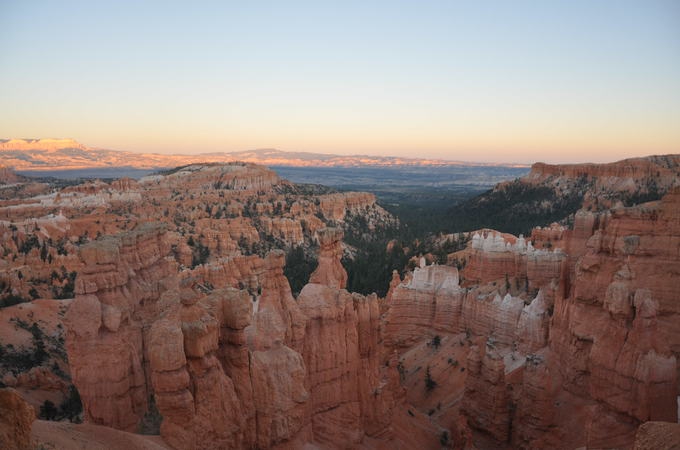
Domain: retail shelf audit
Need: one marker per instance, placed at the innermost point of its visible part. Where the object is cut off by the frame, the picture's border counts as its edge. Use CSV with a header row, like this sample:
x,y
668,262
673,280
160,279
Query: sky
x,y
490,81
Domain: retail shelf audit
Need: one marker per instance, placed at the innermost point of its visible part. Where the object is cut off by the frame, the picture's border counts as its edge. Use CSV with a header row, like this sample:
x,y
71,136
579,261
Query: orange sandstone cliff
x,y
226,369
565,345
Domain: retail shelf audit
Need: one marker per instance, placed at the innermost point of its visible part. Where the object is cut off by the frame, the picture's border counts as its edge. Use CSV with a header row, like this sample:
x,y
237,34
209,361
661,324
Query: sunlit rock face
x,y
574,343
430,299
176,316
226,369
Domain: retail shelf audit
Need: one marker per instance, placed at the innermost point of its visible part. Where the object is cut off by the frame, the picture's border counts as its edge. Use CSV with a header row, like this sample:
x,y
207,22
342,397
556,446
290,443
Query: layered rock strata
x,y
576,342
228,369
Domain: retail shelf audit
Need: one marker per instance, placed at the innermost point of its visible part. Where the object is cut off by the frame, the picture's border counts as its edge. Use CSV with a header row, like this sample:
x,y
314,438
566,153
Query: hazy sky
x,y
555,81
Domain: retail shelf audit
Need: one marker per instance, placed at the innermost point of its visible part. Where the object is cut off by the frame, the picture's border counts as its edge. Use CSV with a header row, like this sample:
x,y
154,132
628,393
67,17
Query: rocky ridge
x,y
211,211
67,154
553,193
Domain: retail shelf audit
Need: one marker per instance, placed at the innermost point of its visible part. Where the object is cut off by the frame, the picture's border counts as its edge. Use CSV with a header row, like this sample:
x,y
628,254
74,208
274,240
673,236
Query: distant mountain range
x,y
68,154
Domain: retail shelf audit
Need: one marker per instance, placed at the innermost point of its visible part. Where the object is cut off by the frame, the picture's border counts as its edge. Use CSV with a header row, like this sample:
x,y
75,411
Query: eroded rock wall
x,y
227,367
576,337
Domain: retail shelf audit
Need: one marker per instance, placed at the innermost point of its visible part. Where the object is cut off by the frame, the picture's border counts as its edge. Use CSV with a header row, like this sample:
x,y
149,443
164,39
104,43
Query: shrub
x,y
48,411
11,300
299,266
444,438
151,422
72,406
429,381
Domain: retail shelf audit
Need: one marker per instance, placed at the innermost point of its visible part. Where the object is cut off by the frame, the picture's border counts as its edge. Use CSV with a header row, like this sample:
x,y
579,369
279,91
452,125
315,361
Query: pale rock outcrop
x,y
493,256
492,315
430,299
533,325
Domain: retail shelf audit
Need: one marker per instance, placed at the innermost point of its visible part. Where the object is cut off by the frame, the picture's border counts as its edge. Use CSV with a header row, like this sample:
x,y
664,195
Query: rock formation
x,y
183,319
227,369
16,419
349,395
657,435
330,272
614,332
664,167
554,193
430,300
117,293
486,401
221,220
575,343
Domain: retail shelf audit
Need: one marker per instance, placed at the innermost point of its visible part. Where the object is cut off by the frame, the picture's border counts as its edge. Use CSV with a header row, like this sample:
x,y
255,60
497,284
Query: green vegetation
x,y
21,360
444,438
380,252
299,266
425,211
650,193
44,347
48,410
199,252
430,384
71,408
11,300
371,268
67,290
29,243
303,189
516,208
151,422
